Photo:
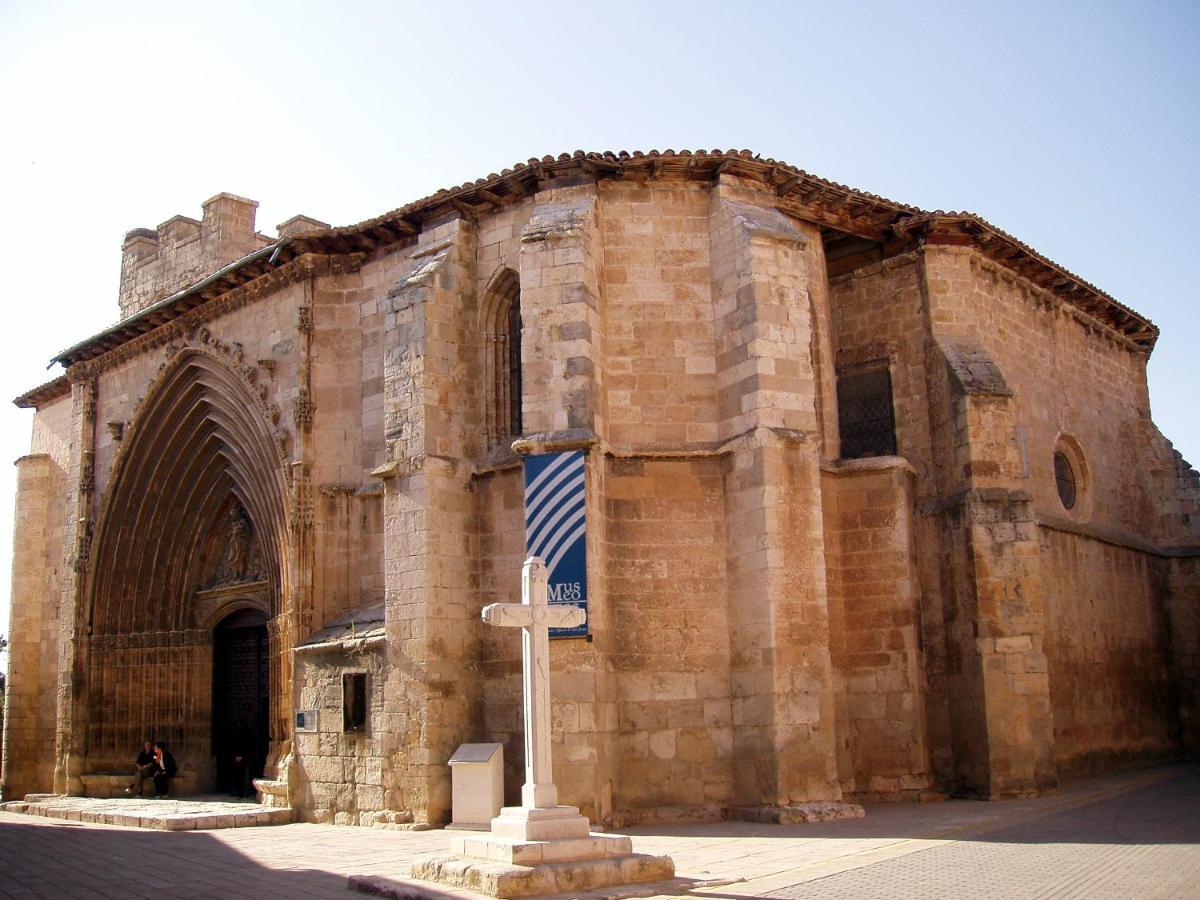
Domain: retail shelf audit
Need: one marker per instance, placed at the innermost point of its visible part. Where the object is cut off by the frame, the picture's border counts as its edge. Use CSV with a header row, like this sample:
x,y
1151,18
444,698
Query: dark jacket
x,y
168,766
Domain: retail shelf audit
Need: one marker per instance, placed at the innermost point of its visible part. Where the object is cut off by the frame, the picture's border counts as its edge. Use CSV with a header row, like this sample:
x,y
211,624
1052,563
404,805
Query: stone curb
x,y
175,820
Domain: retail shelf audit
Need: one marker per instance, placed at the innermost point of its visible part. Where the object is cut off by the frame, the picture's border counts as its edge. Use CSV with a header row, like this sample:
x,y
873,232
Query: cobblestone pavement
x,y
1133,835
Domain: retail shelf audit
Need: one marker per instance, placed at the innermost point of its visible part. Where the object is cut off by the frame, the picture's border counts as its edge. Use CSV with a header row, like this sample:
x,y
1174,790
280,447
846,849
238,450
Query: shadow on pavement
x,y
67,859
1158,806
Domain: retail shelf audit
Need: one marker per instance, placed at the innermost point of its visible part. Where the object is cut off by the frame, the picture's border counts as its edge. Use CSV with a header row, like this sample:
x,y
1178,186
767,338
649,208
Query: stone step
x,y
498,879
160,815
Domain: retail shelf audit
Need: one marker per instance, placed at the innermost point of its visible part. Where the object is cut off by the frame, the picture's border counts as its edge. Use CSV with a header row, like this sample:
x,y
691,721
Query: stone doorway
x,y
241,711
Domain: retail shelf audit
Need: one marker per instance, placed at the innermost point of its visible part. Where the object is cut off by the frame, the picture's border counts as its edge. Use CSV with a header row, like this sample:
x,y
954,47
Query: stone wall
x,y
672,656
31,697
1185,645
1073,381
430,563
878,313
1060,370
659,344
1067,376
29,718
340,777
1108,645
874,622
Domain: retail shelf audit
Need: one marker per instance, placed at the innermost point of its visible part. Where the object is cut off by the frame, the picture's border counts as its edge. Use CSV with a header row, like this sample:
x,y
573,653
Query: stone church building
x,y
875,508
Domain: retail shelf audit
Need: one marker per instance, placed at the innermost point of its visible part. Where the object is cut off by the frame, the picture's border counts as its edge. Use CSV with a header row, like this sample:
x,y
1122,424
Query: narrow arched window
x,y
502,327
513,375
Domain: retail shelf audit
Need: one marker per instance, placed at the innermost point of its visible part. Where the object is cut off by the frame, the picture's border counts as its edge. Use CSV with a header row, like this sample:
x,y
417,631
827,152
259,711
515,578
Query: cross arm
x,y
511,615
517,615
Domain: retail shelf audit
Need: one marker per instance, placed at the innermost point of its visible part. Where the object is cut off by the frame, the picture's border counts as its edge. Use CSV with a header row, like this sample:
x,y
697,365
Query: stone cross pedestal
x,y
539,847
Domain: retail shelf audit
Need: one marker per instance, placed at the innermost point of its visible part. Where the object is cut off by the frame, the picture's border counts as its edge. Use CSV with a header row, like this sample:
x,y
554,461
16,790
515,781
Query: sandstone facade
x,y
317,439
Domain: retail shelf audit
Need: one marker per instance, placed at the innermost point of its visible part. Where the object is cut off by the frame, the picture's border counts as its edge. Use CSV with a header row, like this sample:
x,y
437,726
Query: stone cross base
x,y
541,851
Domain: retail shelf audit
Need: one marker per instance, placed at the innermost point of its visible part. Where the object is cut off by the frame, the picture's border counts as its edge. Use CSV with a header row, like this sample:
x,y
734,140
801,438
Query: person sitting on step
x,y
164,769
144,770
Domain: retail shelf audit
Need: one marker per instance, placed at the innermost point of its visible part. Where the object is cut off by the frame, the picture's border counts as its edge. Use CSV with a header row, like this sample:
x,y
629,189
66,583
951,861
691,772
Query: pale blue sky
x,y
1074,127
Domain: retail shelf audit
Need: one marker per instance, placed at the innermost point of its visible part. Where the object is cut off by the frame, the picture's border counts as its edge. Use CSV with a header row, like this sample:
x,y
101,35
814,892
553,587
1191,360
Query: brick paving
x,y
1133,835
1145,843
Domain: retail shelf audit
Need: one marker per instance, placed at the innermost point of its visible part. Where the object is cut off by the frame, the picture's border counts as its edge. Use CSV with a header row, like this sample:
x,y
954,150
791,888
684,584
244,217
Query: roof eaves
x,y
37,397
843,204
985,236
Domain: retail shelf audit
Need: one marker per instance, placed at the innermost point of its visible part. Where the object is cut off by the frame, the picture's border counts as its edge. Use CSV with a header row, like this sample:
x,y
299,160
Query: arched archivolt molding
x,y
500,324
502,288
200,444
199,436
225,610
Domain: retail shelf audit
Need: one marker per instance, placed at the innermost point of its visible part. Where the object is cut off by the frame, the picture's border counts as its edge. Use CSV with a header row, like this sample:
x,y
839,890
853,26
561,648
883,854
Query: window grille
x,y
866,421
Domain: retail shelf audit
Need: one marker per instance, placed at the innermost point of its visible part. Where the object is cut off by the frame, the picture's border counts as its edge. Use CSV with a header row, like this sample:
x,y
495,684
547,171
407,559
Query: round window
x,y
1064,478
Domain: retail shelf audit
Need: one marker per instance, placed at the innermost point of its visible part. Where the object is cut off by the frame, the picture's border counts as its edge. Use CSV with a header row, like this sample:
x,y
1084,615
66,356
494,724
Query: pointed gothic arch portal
x,y
192,539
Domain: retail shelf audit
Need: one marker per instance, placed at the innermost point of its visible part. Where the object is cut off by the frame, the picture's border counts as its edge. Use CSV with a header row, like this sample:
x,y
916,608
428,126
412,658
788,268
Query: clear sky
x,y
1073,126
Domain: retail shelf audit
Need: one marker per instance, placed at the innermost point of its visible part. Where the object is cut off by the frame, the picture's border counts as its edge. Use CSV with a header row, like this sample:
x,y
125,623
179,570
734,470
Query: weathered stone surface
x,y
771,624
798,812
161,815
501,880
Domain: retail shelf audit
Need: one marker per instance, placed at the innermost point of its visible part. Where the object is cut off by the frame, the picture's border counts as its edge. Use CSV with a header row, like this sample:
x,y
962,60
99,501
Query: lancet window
x,y
503,362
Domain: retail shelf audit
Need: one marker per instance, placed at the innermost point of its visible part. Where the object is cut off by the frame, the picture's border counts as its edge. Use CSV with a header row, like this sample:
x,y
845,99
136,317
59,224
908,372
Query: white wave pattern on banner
x,y
554,509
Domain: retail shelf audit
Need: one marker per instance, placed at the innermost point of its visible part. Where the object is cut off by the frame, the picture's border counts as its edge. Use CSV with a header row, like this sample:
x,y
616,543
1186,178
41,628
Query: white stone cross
x,y
535,617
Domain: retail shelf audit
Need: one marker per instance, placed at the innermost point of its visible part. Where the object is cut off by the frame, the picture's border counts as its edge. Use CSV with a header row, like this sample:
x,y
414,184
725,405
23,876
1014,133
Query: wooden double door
x,y
241,700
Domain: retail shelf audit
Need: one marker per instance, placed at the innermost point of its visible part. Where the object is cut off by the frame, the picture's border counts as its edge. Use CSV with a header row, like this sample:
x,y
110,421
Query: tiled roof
x,y
801,193
44,393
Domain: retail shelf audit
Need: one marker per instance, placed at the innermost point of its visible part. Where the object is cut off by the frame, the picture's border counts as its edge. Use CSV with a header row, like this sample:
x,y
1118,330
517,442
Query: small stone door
x,y
241,700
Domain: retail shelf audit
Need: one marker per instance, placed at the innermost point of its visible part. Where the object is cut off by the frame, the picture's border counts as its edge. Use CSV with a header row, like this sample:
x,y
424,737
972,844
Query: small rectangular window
x,y
354,702
866,421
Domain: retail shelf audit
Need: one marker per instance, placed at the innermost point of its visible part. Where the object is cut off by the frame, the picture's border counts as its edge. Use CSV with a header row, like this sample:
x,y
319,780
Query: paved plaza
x,y
1132,835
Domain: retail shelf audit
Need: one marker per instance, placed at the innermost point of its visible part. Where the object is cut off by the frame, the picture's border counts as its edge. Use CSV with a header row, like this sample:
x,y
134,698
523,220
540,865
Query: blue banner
x,y
555,527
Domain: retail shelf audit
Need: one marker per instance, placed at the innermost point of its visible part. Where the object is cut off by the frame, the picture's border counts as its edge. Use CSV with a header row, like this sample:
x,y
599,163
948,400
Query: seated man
x,y
145,769
164,769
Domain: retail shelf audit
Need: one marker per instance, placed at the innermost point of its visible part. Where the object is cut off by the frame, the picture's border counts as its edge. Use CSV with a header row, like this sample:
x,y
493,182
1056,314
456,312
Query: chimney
x,y
301,224
139,245
228,227
178,230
